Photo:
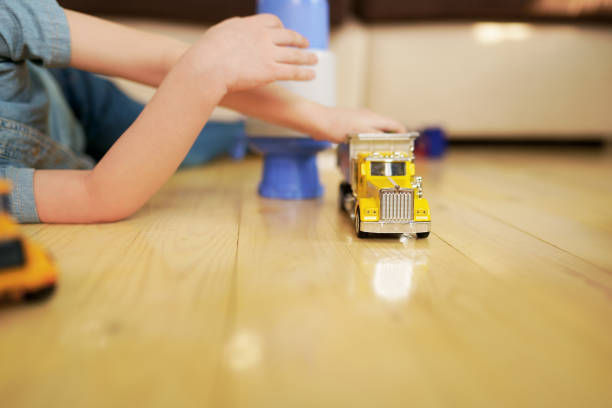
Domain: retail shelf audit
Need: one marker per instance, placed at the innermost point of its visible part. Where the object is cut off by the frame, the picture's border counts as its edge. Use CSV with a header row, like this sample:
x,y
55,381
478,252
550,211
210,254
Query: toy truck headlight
x,y
370,214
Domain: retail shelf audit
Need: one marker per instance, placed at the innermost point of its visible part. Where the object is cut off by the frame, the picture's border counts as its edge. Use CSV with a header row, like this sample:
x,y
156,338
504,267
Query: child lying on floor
x,y
77,150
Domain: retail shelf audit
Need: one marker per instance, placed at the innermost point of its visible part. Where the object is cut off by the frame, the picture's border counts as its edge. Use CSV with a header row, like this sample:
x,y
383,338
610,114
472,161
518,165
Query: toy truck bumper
x,y
382,227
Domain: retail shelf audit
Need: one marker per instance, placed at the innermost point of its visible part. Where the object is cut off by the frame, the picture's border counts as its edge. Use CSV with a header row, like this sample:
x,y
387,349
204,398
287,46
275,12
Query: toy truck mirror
x,y
419,186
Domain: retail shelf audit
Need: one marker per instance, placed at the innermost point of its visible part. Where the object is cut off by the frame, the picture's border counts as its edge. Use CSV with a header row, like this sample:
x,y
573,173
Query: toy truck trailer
x,y
380,190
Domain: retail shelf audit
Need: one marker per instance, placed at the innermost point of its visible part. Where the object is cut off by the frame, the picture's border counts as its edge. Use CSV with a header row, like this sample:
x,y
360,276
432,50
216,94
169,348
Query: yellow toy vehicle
x,y
380,191
26,270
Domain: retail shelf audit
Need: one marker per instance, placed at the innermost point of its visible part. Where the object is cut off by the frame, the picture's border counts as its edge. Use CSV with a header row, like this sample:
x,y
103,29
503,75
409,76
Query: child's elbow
x,y
74,197
106,208
105,213
110,202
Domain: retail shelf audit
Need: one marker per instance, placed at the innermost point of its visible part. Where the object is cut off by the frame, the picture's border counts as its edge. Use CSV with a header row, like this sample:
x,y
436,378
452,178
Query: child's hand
x,y
249,52
334,124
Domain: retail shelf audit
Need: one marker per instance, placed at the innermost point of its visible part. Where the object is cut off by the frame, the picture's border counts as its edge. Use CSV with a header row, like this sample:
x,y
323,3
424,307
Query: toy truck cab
x,y
26,270
11,248
381,192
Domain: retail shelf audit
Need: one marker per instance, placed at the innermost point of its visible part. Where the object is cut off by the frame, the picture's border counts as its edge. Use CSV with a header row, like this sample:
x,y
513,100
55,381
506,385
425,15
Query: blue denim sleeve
x,y
23,207
34,30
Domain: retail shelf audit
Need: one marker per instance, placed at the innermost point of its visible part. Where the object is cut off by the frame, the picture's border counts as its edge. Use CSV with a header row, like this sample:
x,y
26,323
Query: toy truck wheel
x,y
345,188
39,294
422,234
358,231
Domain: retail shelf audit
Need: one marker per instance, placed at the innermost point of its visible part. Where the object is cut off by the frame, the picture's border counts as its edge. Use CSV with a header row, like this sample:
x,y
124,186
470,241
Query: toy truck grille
x,y
396,205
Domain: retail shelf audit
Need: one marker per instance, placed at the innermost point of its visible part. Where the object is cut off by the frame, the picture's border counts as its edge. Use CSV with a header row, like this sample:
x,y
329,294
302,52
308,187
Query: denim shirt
x,y
37,127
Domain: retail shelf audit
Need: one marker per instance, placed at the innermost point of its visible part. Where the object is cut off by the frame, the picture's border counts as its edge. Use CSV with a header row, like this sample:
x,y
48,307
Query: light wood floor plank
x,y
579,222
212,296
139,316
550,183
479,310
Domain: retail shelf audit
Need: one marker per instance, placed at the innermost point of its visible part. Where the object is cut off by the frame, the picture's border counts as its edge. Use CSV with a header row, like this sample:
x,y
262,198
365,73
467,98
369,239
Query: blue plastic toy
x,y
290,168
308,17
432,143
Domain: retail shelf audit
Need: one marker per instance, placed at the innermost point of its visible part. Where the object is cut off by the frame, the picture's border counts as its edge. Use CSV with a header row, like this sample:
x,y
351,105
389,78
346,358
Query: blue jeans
x,y
105,112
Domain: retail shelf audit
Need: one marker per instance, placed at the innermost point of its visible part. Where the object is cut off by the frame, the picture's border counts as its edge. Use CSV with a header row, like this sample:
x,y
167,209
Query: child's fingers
x,y
370,130
297,57
338,138
389,125
290,38
286,72
269,20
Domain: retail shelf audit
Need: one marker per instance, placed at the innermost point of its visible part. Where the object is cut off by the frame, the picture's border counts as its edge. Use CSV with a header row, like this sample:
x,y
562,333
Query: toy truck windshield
x,y
4,203
378,168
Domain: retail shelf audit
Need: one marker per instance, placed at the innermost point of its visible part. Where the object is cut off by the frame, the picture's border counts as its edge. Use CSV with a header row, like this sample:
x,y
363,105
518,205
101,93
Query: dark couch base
x,y
213,11
504,10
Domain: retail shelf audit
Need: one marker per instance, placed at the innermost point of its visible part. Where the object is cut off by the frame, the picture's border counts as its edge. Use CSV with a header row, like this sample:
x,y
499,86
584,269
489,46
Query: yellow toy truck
x,y
380,190
26,270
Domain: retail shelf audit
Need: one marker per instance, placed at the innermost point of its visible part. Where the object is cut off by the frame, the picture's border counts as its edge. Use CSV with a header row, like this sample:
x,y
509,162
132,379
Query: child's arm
x,y
112,49
235,55
279,106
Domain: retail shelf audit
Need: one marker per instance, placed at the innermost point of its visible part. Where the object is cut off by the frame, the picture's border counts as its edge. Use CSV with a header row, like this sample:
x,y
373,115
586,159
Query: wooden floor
x,y
212,296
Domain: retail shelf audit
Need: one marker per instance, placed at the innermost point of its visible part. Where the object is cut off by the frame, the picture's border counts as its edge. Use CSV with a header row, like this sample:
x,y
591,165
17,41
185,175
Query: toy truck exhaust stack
x,y
380,190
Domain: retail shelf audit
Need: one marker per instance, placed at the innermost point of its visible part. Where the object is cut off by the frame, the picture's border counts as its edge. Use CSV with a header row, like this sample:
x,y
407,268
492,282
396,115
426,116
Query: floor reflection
x,y
282,216
243,350
394,278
